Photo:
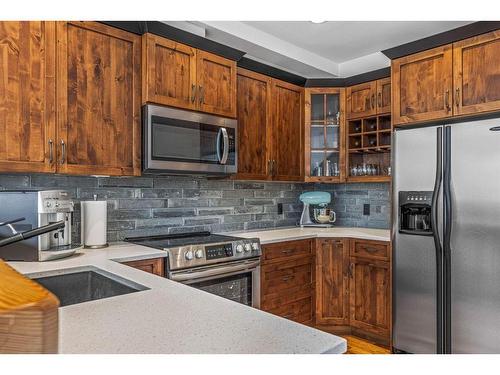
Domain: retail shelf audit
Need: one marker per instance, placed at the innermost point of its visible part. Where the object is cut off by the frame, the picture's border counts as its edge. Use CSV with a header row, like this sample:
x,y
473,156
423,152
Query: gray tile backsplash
x,y
172,204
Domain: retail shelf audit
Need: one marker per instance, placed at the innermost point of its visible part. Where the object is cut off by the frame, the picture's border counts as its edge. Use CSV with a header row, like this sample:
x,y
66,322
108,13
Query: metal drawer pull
x,y
287,278
63,151
370,249
193,93
287,251
51,151
457,97
447,100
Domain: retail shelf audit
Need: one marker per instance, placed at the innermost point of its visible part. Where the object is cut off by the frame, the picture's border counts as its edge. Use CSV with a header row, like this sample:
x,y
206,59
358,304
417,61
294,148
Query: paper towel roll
x,y
94,224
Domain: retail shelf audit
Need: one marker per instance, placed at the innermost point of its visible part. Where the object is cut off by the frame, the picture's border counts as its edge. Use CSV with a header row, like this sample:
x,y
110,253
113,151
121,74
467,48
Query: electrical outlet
x,y
280,208
366,209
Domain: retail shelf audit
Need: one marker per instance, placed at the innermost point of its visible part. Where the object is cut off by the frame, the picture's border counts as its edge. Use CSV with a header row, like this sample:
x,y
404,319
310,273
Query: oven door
x,y
185,142
237,281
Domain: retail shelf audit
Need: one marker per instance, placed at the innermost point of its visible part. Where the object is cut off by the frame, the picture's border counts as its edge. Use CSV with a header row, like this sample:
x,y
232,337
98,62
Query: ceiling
x,y
319,50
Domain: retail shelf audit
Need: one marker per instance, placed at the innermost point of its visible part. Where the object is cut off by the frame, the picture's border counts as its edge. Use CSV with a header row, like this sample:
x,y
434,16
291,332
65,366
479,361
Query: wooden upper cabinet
x,y
216,77
27,96
361,100
332,282
384,95
476,70
177,75
254,125
422,86
168,72
287,107
370,296
98,99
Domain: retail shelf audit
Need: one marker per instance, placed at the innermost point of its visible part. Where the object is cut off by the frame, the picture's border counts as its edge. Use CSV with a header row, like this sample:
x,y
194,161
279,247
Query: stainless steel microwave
x,y
185,142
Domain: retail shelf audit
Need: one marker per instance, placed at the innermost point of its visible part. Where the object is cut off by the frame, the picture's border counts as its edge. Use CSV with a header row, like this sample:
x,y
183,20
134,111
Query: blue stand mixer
x,y
315,212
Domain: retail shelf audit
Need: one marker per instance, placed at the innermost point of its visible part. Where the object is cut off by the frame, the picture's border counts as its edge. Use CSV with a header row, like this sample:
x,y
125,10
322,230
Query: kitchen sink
x,y
83,284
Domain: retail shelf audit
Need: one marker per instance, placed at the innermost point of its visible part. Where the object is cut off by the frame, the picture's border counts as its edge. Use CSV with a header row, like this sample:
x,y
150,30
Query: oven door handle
x,y
214,271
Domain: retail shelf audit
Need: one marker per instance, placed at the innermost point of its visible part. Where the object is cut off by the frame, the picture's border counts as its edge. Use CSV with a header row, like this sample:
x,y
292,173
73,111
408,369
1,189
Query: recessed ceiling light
x,y
318,21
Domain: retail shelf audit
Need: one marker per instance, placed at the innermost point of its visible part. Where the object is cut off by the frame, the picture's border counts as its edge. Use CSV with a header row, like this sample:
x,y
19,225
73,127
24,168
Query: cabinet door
x,y
361,100
370,296
384,95
27,96
98,95
332,282
422,86
216,77
168,72
476,70
287,107
254,121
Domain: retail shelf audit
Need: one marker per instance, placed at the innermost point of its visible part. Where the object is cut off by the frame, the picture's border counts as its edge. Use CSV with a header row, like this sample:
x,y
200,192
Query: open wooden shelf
x,y
369,143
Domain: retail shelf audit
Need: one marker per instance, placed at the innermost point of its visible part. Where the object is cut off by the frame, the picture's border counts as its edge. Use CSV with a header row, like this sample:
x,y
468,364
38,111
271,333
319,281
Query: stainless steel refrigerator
x,y
446,233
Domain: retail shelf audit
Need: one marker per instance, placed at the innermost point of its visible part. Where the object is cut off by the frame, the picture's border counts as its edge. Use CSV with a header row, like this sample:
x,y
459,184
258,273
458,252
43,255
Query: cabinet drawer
x,y
299,311
154,266
284,276
282,250
370,249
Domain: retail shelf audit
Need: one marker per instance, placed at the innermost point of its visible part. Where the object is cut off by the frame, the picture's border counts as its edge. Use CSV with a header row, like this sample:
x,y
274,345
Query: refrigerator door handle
x,y
447,222
437,244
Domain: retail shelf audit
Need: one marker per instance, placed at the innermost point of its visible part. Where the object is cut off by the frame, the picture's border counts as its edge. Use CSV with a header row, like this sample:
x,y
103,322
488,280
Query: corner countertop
x,y
170,317
297,233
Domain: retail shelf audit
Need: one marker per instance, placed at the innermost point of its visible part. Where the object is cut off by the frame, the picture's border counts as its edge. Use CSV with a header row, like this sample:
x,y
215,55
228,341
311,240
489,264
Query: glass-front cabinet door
x,y
324,135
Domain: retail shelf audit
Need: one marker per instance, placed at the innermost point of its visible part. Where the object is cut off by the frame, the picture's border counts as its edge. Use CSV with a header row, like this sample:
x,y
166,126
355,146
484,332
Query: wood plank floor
x,y
356,345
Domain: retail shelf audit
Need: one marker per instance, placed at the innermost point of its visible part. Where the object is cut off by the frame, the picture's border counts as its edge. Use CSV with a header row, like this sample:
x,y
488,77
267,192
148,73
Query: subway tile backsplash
x,y
171,204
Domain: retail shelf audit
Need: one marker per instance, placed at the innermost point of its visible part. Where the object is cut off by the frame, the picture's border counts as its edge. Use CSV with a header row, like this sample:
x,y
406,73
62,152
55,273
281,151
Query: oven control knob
x,y
239,248
255,246
198,254
48,204
248,247
188,255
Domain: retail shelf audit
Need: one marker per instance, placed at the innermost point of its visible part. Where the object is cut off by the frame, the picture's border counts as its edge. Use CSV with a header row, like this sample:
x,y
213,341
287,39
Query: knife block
x,y
28,315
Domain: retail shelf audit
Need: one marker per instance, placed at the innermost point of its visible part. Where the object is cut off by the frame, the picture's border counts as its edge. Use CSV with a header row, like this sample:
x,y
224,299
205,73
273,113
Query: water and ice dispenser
x,y
415,212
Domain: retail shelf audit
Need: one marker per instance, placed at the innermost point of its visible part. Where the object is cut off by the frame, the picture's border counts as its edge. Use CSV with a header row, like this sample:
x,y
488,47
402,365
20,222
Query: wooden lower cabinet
x,y
154,266
370,296
287,281
339,285
332,281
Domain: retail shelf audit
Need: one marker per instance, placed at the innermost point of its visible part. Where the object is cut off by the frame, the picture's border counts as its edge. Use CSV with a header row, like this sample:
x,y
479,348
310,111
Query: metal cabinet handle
x,y
51,151
373,101
379,95
350,270
287,251
369,249
270,166
193,93
457,97
202,94
288,278
63,151
274,167
447,99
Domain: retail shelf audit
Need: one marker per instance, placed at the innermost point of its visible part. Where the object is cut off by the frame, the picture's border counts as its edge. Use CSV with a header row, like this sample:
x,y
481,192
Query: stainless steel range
x,y
223,265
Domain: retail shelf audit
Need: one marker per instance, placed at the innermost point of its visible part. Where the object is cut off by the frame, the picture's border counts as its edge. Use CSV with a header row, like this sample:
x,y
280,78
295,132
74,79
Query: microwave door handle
x,y
225,152
217,145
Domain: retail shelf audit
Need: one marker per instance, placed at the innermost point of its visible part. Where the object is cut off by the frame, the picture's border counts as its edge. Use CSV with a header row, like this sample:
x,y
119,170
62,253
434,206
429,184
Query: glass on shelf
x,y
332,165
317,163
332,137
317,137
317,107
332,109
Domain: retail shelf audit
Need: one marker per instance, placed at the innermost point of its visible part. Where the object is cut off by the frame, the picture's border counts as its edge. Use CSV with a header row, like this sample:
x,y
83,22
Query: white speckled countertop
x,y
171,317
287,234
